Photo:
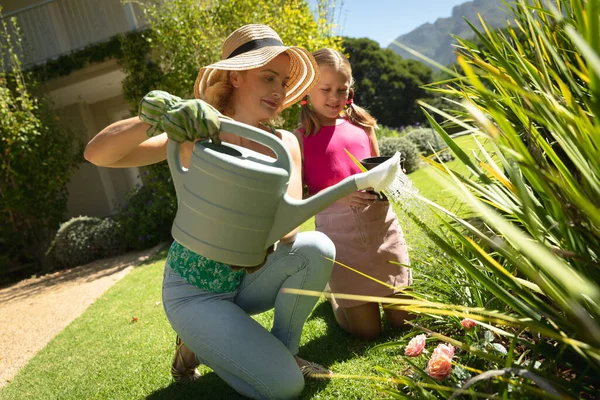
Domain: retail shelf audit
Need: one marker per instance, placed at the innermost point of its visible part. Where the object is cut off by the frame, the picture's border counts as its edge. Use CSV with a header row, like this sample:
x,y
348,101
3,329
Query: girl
x,y
207,303
365,231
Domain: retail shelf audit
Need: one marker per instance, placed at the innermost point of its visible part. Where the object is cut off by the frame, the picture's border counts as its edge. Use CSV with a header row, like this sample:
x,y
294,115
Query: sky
x,y
385,20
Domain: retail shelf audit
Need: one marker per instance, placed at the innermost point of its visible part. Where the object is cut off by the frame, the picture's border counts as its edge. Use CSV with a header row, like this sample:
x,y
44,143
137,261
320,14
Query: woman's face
x,y
260,92
329,95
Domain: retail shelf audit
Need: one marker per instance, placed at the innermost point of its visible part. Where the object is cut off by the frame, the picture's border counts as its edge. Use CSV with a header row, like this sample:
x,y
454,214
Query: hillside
x,y
434,40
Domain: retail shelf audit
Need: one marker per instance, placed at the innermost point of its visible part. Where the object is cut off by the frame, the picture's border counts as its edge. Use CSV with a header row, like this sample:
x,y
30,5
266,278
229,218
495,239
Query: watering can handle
x,y
175,166
237,128
284,159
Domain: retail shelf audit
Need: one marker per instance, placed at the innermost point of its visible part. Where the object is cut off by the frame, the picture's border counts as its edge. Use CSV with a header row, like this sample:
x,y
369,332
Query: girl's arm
x,y
299,136
295,186
125,144
373,141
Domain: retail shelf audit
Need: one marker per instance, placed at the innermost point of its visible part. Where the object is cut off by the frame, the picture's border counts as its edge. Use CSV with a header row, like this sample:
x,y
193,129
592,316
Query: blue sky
x,y
385,20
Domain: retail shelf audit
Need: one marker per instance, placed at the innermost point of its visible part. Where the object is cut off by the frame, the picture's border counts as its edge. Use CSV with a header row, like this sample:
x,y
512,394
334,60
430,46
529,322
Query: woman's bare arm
x,y
125,144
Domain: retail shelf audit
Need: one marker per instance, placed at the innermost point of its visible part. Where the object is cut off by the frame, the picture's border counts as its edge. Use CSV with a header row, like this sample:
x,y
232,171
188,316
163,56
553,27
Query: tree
x,y
38,158
386,84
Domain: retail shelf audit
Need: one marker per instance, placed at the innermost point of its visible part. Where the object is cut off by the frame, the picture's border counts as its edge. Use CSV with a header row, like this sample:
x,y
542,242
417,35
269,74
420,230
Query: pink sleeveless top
x,y
325,161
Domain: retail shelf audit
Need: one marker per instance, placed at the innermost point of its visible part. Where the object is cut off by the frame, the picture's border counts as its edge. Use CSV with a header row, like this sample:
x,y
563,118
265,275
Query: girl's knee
x,y
398,318
364,321
365,332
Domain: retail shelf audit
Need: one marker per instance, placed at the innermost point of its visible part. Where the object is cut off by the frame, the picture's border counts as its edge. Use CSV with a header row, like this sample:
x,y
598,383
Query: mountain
x,y
434,40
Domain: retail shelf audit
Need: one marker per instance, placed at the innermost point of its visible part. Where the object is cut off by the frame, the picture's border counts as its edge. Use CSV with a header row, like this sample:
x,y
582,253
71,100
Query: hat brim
x,y
304,72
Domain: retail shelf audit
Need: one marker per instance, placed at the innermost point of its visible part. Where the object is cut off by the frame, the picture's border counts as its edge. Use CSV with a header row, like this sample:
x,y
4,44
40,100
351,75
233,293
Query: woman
x,y
208,303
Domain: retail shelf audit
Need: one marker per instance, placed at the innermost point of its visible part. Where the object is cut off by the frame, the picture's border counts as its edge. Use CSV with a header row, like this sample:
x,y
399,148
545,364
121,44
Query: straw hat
x,y
254,46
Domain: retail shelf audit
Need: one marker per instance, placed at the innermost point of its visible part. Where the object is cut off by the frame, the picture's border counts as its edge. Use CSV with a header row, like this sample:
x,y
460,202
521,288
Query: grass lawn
x,y
121,347
105,355
423,179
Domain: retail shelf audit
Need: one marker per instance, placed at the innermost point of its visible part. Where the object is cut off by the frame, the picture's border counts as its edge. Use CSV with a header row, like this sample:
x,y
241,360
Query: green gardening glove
x,y
182,120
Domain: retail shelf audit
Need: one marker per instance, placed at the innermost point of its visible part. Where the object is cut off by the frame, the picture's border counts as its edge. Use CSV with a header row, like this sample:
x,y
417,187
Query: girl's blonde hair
x,y
356,115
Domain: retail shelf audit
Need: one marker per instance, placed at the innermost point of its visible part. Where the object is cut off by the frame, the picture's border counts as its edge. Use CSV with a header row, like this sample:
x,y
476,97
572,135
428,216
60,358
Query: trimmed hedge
x,y
84,239
388,146
427,139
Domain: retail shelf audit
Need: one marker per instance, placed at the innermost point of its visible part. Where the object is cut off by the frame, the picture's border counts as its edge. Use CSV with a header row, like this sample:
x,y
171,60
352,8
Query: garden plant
x,y
509,296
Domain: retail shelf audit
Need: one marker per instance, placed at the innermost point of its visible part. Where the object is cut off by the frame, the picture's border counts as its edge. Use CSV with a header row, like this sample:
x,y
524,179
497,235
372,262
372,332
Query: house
x,y
87,99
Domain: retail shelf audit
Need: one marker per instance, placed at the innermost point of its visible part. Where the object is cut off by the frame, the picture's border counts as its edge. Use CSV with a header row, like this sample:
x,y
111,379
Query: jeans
x,y
217,326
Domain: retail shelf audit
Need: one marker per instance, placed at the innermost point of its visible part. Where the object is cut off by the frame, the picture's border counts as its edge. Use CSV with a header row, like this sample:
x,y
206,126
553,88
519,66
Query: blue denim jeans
x,y
217,326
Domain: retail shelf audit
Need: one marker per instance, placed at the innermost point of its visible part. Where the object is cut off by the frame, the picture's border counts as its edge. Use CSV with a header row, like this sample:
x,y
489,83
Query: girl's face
x,y
329,95
259,93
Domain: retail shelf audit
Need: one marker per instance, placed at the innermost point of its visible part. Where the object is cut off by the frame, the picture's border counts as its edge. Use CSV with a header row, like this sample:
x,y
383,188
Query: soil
x,y
34,310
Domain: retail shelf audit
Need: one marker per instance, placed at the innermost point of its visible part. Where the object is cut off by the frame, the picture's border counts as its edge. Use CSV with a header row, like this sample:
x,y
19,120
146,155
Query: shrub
x,y
388,146
38,158
384,131
82,240
428,141
146,218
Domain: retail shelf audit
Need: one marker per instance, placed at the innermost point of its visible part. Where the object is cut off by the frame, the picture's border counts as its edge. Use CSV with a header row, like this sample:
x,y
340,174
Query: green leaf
x,y
500,348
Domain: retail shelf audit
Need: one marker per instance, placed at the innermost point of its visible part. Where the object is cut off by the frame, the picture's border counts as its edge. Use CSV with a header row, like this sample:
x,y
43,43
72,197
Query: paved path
x,y
33,311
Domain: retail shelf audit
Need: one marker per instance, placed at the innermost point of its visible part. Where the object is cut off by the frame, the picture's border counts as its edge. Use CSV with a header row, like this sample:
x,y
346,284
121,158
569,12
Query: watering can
x,y
233,202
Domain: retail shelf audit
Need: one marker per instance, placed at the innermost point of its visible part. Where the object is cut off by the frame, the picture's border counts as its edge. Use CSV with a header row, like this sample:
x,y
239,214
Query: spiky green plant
x,y
526,267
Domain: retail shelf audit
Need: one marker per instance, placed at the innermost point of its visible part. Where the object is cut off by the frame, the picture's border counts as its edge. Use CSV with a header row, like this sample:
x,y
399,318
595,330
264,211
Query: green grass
x,y
103,354
423,178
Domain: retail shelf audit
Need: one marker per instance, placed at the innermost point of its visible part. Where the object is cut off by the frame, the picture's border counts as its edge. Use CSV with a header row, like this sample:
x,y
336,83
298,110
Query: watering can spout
x,y
291,212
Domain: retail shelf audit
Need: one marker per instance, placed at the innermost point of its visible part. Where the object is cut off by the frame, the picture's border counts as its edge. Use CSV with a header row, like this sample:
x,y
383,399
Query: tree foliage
x,y
386,84
38,157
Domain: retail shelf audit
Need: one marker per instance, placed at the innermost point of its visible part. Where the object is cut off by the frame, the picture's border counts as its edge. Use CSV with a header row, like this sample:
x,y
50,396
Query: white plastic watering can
x,y
233,202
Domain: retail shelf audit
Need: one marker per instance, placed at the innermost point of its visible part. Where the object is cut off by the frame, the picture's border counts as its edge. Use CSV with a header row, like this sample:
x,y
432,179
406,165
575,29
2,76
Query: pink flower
x,y
468,323
440,363
445,349
415,346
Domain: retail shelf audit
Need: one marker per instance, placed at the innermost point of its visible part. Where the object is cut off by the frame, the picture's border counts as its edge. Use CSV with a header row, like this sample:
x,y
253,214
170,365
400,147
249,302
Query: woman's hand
x,y
182,120
358,199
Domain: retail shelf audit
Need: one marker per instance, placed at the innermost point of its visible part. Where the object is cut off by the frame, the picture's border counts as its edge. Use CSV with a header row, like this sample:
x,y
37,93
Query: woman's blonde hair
x,y
356,115
219,94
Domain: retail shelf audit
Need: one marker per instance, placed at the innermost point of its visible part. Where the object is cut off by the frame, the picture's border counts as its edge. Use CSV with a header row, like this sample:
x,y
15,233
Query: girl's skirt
x,y
366,239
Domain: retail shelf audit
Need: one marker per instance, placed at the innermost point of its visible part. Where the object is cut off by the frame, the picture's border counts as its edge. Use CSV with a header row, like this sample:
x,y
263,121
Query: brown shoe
x,y
182,372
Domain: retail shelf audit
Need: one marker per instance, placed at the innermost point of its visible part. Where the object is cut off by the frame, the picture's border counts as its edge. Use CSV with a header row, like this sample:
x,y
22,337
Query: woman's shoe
x,y
312,370
181,372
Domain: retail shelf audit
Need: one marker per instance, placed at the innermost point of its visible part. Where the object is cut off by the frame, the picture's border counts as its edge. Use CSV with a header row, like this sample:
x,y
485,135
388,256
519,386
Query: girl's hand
x,y
182,120
358,199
